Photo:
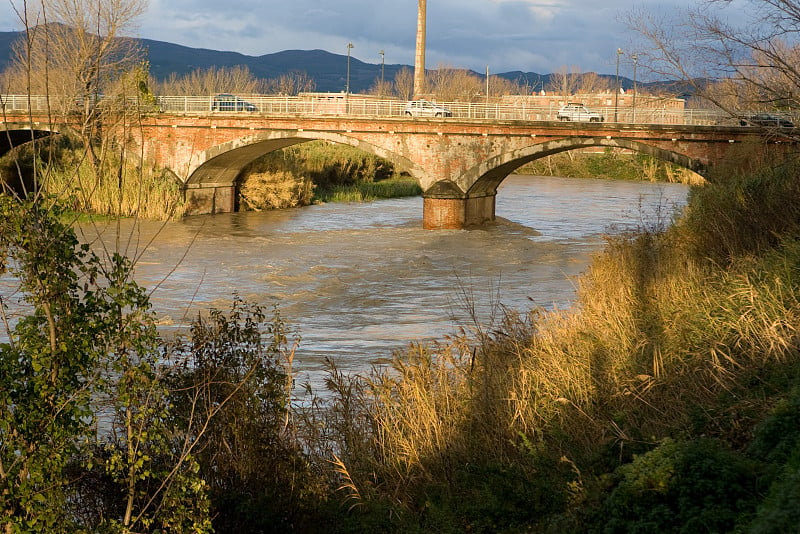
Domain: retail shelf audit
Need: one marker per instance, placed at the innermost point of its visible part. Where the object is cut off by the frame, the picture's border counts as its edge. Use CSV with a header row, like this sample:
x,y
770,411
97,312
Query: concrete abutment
x,y
208,199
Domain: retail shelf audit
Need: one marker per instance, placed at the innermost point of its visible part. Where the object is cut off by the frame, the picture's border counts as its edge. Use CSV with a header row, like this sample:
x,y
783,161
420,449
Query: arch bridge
x,y
459,163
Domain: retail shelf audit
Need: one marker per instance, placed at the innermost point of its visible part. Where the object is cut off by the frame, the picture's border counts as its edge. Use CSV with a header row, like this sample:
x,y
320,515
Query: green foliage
x,y
780,510
338,173
778,436
485,496
88,346
682,487
401,186
777,441
48,369
232,394
609,164
330,164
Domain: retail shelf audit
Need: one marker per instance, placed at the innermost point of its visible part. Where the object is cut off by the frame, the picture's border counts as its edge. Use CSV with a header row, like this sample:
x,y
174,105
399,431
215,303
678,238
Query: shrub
x,y
737,215
682,487
232,394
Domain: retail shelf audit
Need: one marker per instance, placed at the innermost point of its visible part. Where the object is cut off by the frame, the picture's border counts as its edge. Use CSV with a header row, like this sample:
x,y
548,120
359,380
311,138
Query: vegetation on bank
x,y
611,165
665,400
318,171
60,168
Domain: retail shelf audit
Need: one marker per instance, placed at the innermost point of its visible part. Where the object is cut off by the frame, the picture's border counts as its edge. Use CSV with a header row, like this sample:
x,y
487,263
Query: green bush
x,y
682,487
780,510
233,393
487,496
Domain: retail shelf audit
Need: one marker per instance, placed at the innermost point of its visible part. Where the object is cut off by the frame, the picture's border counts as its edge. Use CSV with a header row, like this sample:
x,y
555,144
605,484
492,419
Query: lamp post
x,y
616,92
382,65
347,86
487,92
635,59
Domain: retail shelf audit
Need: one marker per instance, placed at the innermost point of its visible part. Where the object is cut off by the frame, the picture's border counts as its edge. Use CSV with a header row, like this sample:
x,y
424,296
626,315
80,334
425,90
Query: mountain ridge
x,y
326,68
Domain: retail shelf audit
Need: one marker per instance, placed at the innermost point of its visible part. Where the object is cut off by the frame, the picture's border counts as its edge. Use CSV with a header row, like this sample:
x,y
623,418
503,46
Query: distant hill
x,y
327,69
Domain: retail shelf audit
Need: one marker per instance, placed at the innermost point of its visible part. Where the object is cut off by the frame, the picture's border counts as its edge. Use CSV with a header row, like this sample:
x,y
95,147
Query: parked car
x,y
765,119
423,108
229,102
578,112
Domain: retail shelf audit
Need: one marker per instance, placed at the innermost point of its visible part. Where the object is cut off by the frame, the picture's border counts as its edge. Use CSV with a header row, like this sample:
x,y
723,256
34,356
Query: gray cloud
x,y
506,35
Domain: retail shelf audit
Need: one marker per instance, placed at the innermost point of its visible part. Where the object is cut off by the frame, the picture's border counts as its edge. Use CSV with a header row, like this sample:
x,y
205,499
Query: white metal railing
x,y
357,105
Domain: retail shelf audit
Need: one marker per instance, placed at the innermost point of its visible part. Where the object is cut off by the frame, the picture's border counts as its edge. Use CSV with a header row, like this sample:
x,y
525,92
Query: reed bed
x,y
109,188
144,193
666,340
395,187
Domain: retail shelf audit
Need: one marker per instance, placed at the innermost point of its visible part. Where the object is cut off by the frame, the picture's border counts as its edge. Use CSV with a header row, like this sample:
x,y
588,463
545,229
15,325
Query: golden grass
x,y
657,335
115,189
275,190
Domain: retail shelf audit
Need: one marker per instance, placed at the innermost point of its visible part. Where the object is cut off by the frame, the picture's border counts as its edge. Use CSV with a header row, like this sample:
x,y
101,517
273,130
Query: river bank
x,y
672,379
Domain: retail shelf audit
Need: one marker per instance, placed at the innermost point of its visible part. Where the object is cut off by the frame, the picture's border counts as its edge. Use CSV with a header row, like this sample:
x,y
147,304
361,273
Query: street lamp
x,y
347,87
382,65
635,59
616,92
487,91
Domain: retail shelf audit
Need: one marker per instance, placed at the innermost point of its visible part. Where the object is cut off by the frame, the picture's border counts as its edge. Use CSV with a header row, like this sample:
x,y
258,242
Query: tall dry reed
x,y
116,189
660,338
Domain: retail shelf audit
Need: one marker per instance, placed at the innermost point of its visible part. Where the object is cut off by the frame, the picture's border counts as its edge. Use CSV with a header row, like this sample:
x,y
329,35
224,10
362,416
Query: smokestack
x,y
419,63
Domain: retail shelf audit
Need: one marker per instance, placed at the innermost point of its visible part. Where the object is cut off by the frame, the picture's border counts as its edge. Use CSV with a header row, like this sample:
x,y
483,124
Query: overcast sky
x,y
505,35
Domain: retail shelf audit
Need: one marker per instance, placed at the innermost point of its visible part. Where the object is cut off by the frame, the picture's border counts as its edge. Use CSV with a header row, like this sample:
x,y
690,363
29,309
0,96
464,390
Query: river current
x,y
359,280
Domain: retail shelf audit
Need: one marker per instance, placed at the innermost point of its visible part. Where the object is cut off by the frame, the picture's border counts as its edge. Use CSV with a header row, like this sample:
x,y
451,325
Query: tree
x,y
450,84
751,65
231,397
73,50
381,88
404,83
564,81
591,82
88,348
291,83
214,80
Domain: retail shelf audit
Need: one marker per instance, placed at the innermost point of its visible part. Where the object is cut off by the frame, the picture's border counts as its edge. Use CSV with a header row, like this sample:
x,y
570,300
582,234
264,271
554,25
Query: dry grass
x,y
658,335
114,189
275,190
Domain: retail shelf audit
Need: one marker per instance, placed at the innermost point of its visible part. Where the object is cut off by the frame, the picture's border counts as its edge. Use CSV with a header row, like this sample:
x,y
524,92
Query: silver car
x,y
423,108
578,112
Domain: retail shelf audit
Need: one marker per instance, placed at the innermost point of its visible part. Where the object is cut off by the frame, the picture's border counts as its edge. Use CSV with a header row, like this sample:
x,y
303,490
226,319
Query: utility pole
x,y
419,62
487,92
382,65
347,86
617,88
635,58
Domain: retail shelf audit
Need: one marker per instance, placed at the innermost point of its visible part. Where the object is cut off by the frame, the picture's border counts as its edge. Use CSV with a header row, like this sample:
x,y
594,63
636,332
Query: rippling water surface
x,y
360,280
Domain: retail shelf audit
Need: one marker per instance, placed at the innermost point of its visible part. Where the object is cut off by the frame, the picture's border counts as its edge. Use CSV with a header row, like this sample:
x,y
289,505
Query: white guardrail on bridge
x,y
358,106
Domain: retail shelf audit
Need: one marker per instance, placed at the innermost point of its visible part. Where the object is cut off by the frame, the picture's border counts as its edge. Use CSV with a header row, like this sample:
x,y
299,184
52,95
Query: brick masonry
x,y
458,163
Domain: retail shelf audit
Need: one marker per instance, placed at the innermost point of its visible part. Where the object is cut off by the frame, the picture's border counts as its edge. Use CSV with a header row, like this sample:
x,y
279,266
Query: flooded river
x,y
357,281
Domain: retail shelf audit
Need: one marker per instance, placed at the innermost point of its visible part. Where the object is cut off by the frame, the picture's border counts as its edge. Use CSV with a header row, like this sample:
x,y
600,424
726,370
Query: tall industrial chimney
x,y
419,63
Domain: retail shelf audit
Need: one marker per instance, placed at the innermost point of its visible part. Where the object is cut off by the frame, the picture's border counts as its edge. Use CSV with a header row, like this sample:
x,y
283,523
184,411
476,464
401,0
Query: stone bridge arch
x,y
484,178
211,185
18,136
472,195
21,183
